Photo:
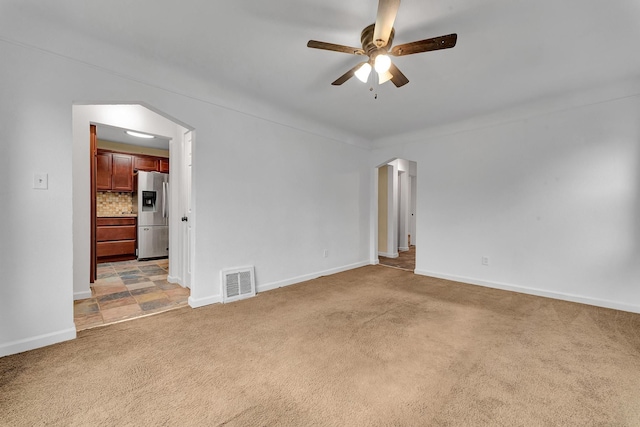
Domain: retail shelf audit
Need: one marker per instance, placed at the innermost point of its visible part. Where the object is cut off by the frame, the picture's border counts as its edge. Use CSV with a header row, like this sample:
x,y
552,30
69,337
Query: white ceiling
x,y
509,52
115,134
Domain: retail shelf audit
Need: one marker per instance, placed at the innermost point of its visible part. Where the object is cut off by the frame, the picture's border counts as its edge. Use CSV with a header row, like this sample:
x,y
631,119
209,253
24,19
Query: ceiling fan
x,y
376,44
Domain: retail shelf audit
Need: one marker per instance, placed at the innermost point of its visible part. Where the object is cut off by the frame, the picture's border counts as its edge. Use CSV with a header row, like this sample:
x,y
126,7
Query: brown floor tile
x,y
120,313
101,290
107,274
165,286
151,270
113,296
177,291
132,280
125,267
145,290
117,303
87,306
129,272
179,299
150,296
126,290
88,320
112,280
141,285
156,304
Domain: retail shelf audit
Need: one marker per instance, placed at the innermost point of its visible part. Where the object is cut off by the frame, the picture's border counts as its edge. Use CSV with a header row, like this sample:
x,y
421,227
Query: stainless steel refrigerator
x,y
150,200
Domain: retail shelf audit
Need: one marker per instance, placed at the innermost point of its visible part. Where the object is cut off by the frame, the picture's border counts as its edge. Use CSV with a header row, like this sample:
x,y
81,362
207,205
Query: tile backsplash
x,y
113,204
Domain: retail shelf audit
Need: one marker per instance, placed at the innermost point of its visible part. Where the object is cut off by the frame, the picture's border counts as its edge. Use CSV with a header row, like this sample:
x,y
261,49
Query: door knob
x,y
185,219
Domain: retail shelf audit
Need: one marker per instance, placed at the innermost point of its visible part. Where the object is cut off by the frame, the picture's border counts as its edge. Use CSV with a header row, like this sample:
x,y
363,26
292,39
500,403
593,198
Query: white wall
x,y
36,263
553,199
276,198
267,193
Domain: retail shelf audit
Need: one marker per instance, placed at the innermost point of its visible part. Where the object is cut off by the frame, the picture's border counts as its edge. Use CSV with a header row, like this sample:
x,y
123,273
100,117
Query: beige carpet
x,y
374,346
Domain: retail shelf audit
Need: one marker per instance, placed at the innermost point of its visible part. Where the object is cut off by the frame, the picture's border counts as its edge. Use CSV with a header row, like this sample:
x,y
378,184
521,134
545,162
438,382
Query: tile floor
x,y
126,290
405,261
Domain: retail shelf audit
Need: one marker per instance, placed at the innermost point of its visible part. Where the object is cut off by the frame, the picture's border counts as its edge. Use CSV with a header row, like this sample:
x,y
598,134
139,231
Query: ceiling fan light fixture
x,y
382,63
384,77
363,72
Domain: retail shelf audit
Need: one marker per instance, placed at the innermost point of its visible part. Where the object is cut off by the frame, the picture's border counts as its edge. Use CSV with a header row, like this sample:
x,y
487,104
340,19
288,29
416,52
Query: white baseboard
x,y
388,255
38,341
201,302
82,295
403,249
174,279
274,285
534,291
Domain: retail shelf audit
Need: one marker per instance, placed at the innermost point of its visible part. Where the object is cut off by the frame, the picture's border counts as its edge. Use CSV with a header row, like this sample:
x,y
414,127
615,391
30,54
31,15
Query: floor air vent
x,y
238,283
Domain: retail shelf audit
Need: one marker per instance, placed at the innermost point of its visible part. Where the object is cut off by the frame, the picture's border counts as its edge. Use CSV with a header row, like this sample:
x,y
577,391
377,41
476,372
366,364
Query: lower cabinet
x,y
115,239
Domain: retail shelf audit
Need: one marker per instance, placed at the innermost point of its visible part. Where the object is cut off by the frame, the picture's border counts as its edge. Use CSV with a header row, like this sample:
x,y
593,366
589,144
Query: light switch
x,y
41,181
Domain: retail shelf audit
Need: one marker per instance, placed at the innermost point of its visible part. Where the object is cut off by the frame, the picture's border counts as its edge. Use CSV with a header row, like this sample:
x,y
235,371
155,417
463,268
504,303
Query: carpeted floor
x,y
373,346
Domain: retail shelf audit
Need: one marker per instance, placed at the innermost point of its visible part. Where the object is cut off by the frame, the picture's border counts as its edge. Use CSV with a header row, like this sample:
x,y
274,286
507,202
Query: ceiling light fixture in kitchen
x,y
138,134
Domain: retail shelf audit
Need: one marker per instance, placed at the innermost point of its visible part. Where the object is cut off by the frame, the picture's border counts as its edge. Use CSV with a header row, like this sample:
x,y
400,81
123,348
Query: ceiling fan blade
x,y
335,47
436,43
387,11
398,78
346,76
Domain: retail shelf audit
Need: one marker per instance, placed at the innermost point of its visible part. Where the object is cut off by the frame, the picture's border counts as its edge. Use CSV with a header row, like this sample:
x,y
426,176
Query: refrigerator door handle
x,y
164,199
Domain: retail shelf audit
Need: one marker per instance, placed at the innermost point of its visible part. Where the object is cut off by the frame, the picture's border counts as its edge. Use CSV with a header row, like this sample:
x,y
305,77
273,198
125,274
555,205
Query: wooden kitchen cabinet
x,y
145,163
114,172
122,172
103,171
116,239
163,165
150,164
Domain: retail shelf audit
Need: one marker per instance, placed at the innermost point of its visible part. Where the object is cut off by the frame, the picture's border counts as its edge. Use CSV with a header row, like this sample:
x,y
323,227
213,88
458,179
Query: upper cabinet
x,y
145,163
122,172
103,171
163,165
150,163
114,171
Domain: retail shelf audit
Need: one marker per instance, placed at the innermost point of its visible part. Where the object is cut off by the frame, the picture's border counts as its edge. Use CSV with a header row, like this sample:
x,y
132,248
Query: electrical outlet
x,y
485,260
325,253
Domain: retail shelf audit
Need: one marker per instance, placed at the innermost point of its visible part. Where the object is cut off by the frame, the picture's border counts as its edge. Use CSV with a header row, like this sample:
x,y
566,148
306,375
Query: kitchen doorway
x,y
129,195
169,272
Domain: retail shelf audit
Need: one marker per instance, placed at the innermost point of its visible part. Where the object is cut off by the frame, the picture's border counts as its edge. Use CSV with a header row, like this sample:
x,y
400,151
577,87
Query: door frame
x,y
93,152
187,208
393,208
127,115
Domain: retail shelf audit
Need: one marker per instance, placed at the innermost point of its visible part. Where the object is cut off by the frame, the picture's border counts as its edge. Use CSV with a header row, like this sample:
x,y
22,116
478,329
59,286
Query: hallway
x,y
405,261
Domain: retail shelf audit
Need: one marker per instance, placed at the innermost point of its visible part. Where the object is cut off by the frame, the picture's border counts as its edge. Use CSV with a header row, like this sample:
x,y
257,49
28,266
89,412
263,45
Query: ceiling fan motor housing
x,y
369,46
